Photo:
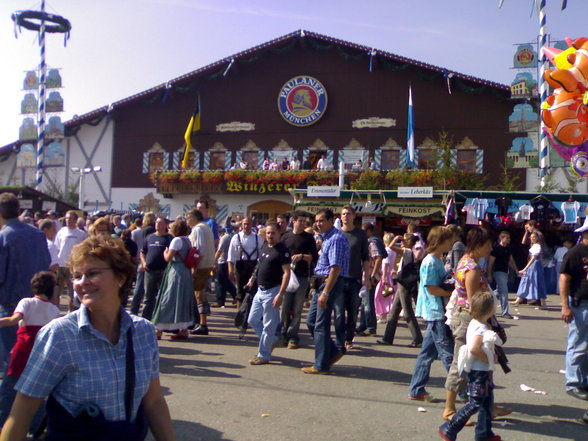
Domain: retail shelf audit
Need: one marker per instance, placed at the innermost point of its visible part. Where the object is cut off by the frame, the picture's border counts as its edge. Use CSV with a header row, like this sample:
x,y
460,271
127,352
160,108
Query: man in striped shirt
x,y
331,267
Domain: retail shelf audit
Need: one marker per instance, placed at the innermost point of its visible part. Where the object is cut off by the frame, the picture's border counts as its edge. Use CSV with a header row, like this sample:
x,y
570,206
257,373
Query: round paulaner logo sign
x,y
302,101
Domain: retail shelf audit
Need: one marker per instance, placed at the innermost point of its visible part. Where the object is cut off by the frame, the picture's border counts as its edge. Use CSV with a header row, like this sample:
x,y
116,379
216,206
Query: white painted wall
x,y
127,197
533,181
91,146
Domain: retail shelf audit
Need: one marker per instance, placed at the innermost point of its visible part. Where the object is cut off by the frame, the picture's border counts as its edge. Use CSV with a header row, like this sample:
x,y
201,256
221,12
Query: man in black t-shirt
x,y
498,263
154,263
303,252
358,276
573,288
272,276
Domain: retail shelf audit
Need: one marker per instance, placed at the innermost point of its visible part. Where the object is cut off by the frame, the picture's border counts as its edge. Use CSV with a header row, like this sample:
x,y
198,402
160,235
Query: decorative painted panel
x,y
479,161
206,160
378,159
453,158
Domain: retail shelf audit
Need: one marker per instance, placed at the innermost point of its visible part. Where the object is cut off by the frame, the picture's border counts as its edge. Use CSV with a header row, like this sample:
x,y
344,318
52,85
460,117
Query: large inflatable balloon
x,y
565,112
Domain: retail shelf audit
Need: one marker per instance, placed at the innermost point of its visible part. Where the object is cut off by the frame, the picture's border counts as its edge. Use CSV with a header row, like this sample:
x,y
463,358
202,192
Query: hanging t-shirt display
x,y
540,205
502,204
480,207
525,212
570,211
470,218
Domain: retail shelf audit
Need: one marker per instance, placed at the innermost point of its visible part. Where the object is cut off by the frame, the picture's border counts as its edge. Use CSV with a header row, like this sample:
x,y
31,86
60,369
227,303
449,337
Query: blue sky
x,y
121,47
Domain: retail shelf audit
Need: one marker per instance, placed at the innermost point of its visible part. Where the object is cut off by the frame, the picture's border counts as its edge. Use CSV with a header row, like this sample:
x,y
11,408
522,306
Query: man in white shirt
x,y
322,163
203,239
47,226
242,257
295,163
67,237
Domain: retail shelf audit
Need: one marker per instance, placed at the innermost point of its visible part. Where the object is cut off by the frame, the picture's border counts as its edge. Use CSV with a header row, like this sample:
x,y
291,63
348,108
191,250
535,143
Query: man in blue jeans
x,y
330,269
272,276
498,263
573,288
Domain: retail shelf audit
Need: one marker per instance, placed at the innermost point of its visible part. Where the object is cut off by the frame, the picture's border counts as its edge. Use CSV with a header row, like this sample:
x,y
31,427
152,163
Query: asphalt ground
x,y
215,394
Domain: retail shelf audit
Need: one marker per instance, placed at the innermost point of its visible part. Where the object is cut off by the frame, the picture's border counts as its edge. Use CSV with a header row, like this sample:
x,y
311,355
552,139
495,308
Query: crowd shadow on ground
x,y
170,364
188,431
544,420
532,351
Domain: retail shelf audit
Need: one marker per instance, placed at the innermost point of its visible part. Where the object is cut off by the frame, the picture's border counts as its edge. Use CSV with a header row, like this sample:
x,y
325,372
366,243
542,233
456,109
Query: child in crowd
x,y
480,384
33,313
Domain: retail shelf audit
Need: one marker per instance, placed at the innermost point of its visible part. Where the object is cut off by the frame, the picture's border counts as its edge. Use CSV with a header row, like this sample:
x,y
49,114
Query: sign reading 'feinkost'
x,y
302,101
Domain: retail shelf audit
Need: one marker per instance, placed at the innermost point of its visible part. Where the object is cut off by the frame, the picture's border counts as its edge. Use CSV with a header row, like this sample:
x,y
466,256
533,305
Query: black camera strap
x,y
129,375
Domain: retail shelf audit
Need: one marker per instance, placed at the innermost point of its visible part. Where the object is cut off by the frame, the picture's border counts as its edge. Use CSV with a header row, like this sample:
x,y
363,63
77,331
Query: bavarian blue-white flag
x,y
410,155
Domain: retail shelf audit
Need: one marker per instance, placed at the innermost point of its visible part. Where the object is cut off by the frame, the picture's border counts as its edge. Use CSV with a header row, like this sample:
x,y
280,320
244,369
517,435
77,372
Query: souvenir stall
x,y
557,215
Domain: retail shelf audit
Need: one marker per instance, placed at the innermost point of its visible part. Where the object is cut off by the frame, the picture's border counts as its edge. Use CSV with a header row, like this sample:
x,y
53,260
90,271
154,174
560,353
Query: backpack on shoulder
x,y
192,257
380,244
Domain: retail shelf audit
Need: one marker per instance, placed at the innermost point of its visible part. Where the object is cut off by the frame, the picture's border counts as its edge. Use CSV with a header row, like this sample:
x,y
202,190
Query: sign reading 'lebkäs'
x,y
415,192
302,101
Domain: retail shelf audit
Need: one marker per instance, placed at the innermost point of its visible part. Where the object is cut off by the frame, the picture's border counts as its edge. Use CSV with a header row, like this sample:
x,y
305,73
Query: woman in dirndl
x,y
175,301
386,286
532,285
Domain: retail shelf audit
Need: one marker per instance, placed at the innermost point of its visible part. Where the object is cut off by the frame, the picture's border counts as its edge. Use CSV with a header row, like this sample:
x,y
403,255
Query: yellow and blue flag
x,y
193,126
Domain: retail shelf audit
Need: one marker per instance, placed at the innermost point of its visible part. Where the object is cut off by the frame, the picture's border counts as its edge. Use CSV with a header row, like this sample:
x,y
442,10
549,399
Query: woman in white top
x,y
532,286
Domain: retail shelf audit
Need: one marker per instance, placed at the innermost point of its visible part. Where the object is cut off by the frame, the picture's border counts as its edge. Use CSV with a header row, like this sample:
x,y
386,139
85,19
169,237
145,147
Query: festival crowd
x,y
93,373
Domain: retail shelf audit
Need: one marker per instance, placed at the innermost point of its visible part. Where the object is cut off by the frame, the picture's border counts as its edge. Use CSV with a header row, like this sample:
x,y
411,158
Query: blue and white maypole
x,y
42,87
410,152
543,92
43,23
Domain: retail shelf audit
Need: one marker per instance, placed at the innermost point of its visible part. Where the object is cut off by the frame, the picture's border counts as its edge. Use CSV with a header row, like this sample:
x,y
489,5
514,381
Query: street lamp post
x,y
84,171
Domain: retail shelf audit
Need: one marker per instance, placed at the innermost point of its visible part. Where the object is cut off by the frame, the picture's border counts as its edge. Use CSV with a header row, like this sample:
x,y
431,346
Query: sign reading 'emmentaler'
x,y
330,191
302,101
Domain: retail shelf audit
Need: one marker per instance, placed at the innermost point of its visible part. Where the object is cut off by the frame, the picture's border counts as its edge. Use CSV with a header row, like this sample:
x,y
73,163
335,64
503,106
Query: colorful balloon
x,y
565,112
579,164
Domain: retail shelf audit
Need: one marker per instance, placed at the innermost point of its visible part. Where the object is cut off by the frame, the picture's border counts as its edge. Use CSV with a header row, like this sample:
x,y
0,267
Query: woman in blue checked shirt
x,y
98,366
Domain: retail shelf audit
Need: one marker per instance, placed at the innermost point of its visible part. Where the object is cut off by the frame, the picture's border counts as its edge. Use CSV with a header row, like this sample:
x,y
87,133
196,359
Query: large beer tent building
x,y
350,102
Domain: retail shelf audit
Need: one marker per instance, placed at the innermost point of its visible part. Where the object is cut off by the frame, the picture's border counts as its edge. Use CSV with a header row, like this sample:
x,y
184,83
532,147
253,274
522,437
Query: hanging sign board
x,y
414,212
26,203
49,205
373,122
325,191
368,220
314,209
415,192
525,57
368,207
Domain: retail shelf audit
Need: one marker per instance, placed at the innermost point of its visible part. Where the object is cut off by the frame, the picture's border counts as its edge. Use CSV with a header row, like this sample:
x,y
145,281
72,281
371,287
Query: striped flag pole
x,y
42,73
543,144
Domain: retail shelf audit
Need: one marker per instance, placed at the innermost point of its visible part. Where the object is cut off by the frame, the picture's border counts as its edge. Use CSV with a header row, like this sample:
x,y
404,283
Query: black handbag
x,y
89,423
240,320
408,276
